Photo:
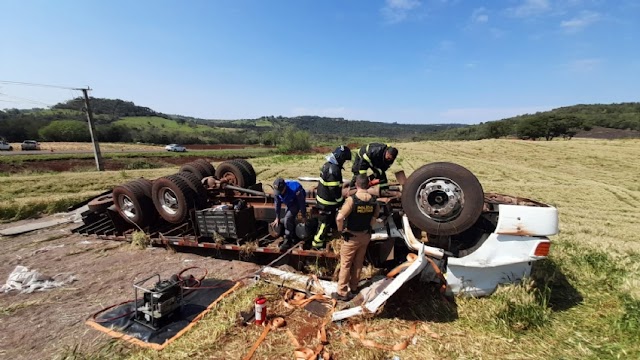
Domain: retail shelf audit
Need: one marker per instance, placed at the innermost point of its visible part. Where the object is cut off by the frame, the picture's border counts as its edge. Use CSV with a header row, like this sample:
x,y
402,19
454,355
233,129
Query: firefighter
x,y
292,194
360,211
329,194
378,158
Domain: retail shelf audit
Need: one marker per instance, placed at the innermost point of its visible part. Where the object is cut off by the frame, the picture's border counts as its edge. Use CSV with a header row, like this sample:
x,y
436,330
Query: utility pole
x,y
92,130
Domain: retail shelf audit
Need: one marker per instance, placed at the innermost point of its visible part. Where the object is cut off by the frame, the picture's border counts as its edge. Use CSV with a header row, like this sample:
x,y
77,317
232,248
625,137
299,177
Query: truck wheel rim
x,y
231,178
440,199
169,201
128,207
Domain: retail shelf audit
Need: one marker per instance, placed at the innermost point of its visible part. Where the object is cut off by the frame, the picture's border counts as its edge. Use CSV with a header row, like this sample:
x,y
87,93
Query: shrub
x,y
295,140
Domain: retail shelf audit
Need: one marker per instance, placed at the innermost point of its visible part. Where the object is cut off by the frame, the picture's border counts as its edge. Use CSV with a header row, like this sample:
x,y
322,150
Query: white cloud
x,y
403,4
470,65
529,8
580,22
479,16
476,115
396,11
583,65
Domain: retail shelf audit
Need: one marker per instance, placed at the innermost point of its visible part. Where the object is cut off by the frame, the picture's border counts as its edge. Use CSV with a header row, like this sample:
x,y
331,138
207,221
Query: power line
x,y
24,100
35,84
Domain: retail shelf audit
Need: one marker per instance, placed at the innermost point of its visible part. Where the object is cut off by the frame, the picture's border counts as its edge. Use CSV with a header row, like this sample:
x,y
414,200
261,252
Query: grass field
x,y
162,124
583,302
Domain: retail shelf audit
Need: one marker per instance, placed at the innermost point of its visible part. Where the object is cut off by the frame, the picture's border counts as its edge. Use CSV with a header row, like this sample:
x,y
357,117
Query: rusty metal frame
x,y
109,225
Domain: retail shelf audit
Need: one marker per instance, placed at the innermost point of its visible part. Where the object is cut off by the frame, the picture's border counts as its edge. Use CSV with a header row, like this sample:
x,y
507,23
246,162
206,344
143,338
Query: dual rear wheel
x,y
173,197
133,202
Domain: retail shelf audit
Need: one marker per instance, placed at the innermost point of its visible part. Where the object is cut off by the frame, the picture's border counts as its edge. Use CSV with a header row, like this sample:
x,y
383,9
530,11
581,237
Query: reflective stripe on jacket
x,y
330,185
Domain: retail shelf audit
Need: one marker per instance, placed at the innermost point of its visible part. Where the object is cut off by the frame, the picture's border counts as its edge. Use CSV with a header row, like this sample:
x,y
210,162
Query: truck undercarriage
x,y
482,239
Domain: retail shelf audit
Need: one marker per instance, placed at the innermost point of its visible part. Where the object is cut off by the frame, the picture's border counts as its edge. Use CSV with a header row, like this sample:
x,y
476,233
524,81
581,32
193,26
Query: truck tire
x,y
442,198
197,187
249,169
101,203
132,204
194,168
173,198
145,185
233,173
209,169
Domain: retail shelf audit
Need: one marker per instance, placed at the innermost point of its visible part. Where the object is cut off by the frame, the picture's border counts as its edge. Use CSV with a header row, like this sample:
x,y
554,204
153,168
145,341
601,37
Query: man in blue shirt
x,y
292,194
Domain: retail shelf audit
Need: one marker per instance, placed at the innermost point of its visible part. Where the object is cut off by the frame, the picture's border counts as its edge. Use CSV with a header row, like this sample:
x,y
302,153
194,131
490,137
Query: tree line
x,y
564,122
67,122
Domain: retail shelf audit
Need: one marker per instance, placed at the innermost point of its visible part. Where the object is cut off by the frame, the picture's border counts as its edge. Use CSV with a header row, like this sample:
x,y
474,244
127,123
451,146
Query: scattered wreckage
x,y
477,240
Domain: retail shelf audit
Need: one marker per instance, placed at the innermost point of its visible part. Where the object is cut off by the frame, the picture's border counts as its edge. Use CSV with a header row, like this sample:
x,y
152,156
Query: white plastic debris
x,y
27,281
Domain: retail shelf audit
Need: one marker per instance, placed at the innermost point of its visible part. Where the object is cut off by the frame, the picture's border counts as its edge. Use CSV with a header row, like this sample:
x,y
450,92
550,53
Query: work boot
x,y
339,297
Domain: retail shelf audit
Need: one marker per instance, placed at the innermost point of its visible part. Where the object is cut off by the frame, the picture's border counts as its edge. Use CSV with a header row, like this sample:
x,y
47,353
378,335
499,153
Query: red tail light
x,y
542,249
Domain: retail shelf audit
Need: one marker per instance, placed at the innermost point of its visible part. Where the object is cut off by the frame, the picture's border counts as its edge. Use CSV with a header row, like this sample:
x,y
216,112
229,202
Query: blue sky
x,y
409,61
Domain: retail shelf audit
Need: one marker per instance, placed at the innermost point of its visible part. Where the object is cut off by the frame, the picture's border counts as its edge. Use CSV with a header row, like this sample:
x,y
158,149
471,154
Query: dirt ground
x,y
48,323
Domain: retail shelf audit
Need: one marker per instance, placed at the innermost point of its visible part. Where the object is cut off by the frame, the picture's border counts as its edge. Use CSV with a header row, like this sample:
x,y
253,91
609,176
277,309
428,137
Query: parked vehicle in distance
x,y
30,145
175,147
5,146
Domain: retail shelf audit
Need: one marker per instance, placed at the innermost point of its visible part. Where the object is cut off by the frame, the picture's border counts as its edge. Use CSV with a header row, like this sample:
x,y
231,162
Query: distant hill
x,y
113,108
123,121
566,122
317,125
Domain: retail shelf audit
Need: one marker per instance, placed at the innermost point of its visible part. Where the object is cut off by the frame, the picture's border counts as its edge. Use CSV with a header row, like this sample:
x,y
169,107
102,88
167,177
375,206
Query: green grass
x,y
263,123
346,140
162,124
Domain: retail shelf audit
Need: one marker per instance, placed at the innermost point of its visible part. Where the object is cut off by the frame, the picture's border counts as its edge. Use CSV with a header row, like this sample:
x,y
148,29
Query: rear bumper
x,y
502,259
506,256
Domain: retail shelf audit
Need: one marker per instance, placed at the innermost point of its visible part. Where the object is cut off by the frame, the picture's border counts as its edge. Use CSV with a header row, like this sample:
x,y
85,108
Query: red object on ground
x,y
261,310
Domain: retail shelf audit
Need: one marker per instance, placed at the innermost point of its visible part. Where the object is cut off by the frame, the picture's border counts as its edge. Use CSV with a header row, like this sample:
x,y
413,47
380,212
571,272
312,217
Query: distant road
x,y
48,152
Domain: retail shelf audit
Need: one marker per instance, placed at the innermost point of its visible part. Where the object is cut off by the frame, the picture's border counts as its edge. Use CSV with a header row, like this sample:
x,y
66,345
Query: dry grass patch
x,y
25,196
75,146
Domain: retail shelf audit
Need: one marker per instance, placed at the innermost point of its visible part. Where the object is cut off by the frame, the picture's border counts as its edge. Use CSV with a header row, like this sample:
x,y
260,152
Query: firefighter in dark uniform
x,y
377,157
329,193
361,211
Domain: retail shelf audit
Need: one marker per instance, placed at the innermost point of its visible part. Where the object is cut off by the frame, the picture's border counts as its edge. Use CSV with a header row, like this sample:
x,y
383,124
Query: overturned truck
x,y
479,240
